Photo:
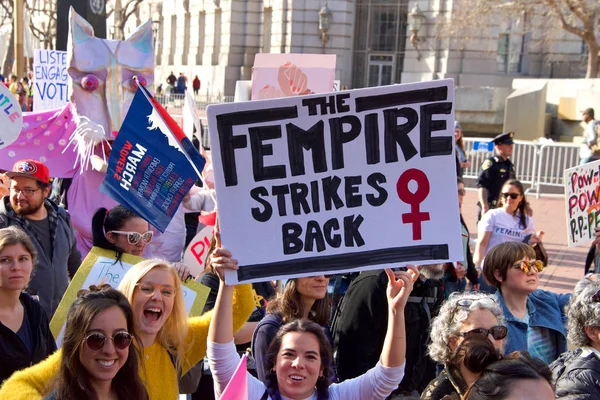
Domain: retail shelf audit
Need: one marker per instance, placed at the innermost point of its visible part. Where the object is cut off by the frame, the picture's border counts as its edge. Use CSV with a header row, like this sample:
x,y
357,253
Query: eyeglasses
x,y
596,297
468,302
96,341
462,192
25,192
513,196
527,266
498,332
148,289
135,237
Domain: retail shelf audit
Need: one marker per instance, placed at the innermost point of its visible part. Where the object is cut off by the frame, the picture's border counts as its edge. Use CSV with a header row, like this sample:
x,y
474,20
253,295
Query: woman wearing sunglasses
x,y
462,316
121,230
577,372
535,318
98,359
172,343
509,222
25,336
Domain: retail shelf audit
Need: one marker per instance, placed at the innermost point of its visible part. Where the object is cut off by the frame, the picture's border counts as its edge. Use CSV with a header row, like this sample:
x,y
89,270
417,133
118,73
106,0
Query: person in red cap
x,y
49,227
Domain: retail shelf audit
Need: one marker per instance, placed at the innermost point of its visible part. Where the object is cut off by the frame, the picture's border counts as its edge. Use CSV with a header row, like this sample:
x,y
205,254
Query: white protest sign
x,y
101,267
195,254
11,117
582,197
50,79
335,182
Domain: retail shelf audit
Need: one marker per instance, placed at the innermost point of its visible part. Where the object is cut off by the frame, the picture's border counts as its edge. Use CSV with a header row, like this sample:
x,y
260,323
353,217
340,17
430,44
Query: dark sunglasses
x,y
96,341
498,332
513,196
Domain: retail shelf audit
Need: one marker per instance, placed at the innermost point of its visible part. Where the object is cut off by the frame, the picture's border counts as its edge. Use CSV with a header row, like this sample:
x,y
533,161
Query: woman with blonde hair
x,y
172,343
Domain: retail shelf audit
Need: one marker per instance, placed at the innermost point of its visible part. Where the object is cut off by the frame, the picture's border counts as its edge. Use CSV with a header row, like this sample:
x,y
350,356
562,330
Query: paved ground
x,y
565,264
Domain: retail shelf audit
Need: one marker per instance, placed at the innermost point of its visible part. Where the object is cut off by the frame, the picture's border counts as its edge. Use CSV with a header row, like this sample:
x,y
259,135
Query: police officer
x,y
494,172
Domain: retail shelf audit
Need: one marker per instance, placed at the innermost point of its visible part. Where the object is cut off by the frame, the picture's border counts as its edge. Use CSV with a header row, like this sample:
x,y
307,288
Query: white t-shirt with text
x,y
504,227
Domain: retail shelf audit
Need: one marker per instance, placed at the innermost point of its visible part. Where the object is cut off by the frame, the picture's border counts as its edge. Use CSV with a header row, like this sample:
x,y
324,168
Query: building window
x,y
511,49
201,37
267,23
217,38
380,42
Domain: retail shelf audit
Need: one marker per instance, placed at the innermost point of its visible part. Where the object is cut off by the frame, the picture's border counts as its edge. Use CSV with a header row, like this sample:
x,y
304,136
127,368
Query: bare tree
x,y
578,17
7,12
43,29
122,10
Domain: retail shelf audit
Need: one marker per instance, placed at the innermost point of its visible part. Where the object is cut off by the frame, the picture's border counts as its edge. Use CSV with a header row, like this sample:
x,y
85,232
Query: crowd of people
x,y
22,89
477,328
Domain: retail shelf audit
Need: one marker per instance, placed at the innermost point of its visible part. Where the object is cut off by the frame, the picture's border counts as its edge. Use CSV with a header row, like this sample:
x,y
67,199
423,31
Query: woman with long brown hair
x,y
100,354
302,298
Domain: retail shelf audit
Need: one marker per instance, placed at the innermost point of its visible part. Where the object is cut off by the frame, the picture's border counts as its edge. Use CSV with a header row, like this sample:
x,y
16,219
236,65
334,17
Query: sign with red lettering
x,y
582,196
195,254
335,182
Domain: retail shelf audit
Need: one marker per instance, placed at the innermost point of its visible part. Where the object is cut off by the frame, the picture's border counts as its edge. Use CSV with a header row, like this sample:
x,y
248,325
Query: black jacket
x,y
360,326
13,353
577,376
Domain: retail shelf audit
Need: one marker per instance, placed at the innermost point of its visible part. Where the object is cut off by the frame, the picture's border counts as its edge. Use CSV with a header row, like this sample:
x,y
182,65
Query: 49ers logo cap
x,y
31,169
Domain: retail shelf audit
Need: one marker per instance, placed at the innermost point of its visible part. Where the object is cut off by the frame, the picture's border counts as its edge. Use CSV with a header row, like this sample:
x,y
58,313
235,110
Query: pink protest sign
x,y
285,75
237,388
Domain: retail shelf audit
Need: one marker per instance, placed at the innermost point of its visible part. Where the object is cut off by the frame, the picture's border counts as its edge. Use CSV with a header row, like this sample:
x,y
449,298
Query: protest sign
x,y
150,170
582,196
101,267
11,117
283,75
50,79
196,252
343,181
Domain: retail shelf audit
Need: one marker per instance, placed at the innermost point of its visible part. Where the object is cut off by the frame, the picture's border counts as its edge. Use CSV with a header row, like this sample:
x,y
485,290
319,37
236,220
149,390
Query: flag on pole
x,y
237,388
152,164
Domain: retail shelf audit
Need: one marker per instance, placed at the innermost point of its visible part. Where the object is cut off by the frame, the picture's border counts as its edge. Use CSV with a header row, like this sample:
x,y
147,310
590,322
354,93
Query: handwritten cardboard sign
x,y
582,197
195,254
336,182
283,75
11,117
99,267
51,79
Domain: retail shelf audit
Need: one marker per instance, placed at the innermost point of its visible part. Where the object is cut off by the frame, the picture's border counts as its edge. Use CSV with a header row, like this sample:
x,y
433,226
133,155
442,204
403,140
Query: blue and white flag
x,y
149,169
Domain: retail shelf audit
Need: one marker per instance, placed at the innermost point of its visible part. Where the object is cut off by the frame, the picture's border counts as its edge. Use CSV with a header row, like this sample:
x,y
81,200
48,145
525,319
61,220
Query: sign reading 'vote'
x,y
336,182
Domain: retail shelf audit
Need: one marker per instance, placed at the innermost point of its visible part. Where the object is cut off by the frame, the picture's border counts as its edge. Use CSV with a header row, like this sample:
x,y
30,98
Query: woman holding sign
x,y
172,343
99,357
25,336
300,356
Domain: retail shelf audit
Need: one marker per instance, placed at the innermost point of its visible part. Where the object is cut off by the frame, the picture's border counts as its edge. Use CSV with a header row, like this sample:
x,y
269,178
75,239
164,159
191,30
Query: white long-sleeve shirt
x,y
376,384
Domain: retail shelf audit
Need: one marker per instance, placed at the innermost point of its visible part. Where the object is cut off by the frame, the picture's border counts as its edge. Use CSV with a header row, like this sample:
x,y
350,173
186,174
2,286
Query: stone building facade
x,y
218,39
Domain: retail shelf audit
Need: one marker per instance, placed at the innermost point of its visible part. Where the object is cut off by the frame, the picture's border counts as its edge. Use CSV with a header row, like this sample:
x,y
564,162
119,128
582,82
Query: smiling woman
x,y
302,298
121,230
100,358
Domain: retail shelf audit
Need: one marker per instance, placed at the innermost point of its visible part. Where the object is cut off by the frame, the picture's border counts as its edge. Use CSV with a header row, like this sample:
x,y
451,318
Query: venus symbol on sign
x,y
415,216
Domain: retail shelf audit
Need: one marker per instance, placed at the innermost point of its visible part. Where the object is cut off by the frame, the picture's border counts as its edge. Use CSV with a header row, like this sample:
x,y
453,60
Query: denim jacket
x,y
545,310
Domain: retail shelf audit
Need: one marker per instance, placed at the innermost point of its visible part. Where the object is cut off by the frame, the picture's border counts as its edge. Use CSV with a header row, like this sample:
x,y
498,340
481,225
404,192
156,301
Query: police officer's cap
x,y
504,138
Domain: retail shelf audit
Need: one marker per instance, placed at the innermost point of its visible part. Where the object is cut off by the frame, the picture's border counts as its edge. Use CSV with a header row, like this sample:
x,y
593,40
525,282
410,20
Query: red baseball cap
x,y
31,169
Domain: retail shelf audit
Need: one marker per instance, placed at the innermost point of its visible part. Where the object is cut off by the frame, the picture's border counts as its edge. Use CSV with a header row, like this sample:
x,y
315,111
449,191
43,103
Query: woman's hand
x,y
221,259
182,270
536,238
400,285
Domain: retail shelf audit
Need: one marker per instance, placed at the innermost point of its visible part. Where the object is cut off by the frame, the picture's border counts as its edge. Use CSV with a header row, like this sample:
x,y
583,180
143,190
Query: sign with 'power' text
x,y
50,79
335,182
582,195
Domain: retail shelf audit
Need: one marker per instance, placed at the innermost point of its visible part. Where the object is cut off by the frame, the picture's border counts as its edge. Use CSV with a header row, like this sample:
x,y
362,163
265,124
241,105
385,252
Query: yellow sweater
x,y
33,383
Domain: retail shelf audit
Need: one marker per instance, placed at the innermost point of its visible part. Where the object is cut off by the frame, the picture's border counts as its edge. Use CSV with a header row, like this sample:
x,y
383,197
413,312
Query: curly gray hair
x,y
582,311
451,317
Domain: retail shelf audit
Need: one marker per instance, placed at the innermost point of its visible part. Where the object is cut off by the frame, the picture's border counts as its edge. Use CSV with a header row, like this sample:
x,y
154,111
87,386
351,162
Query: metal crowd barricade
x,y
538,164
